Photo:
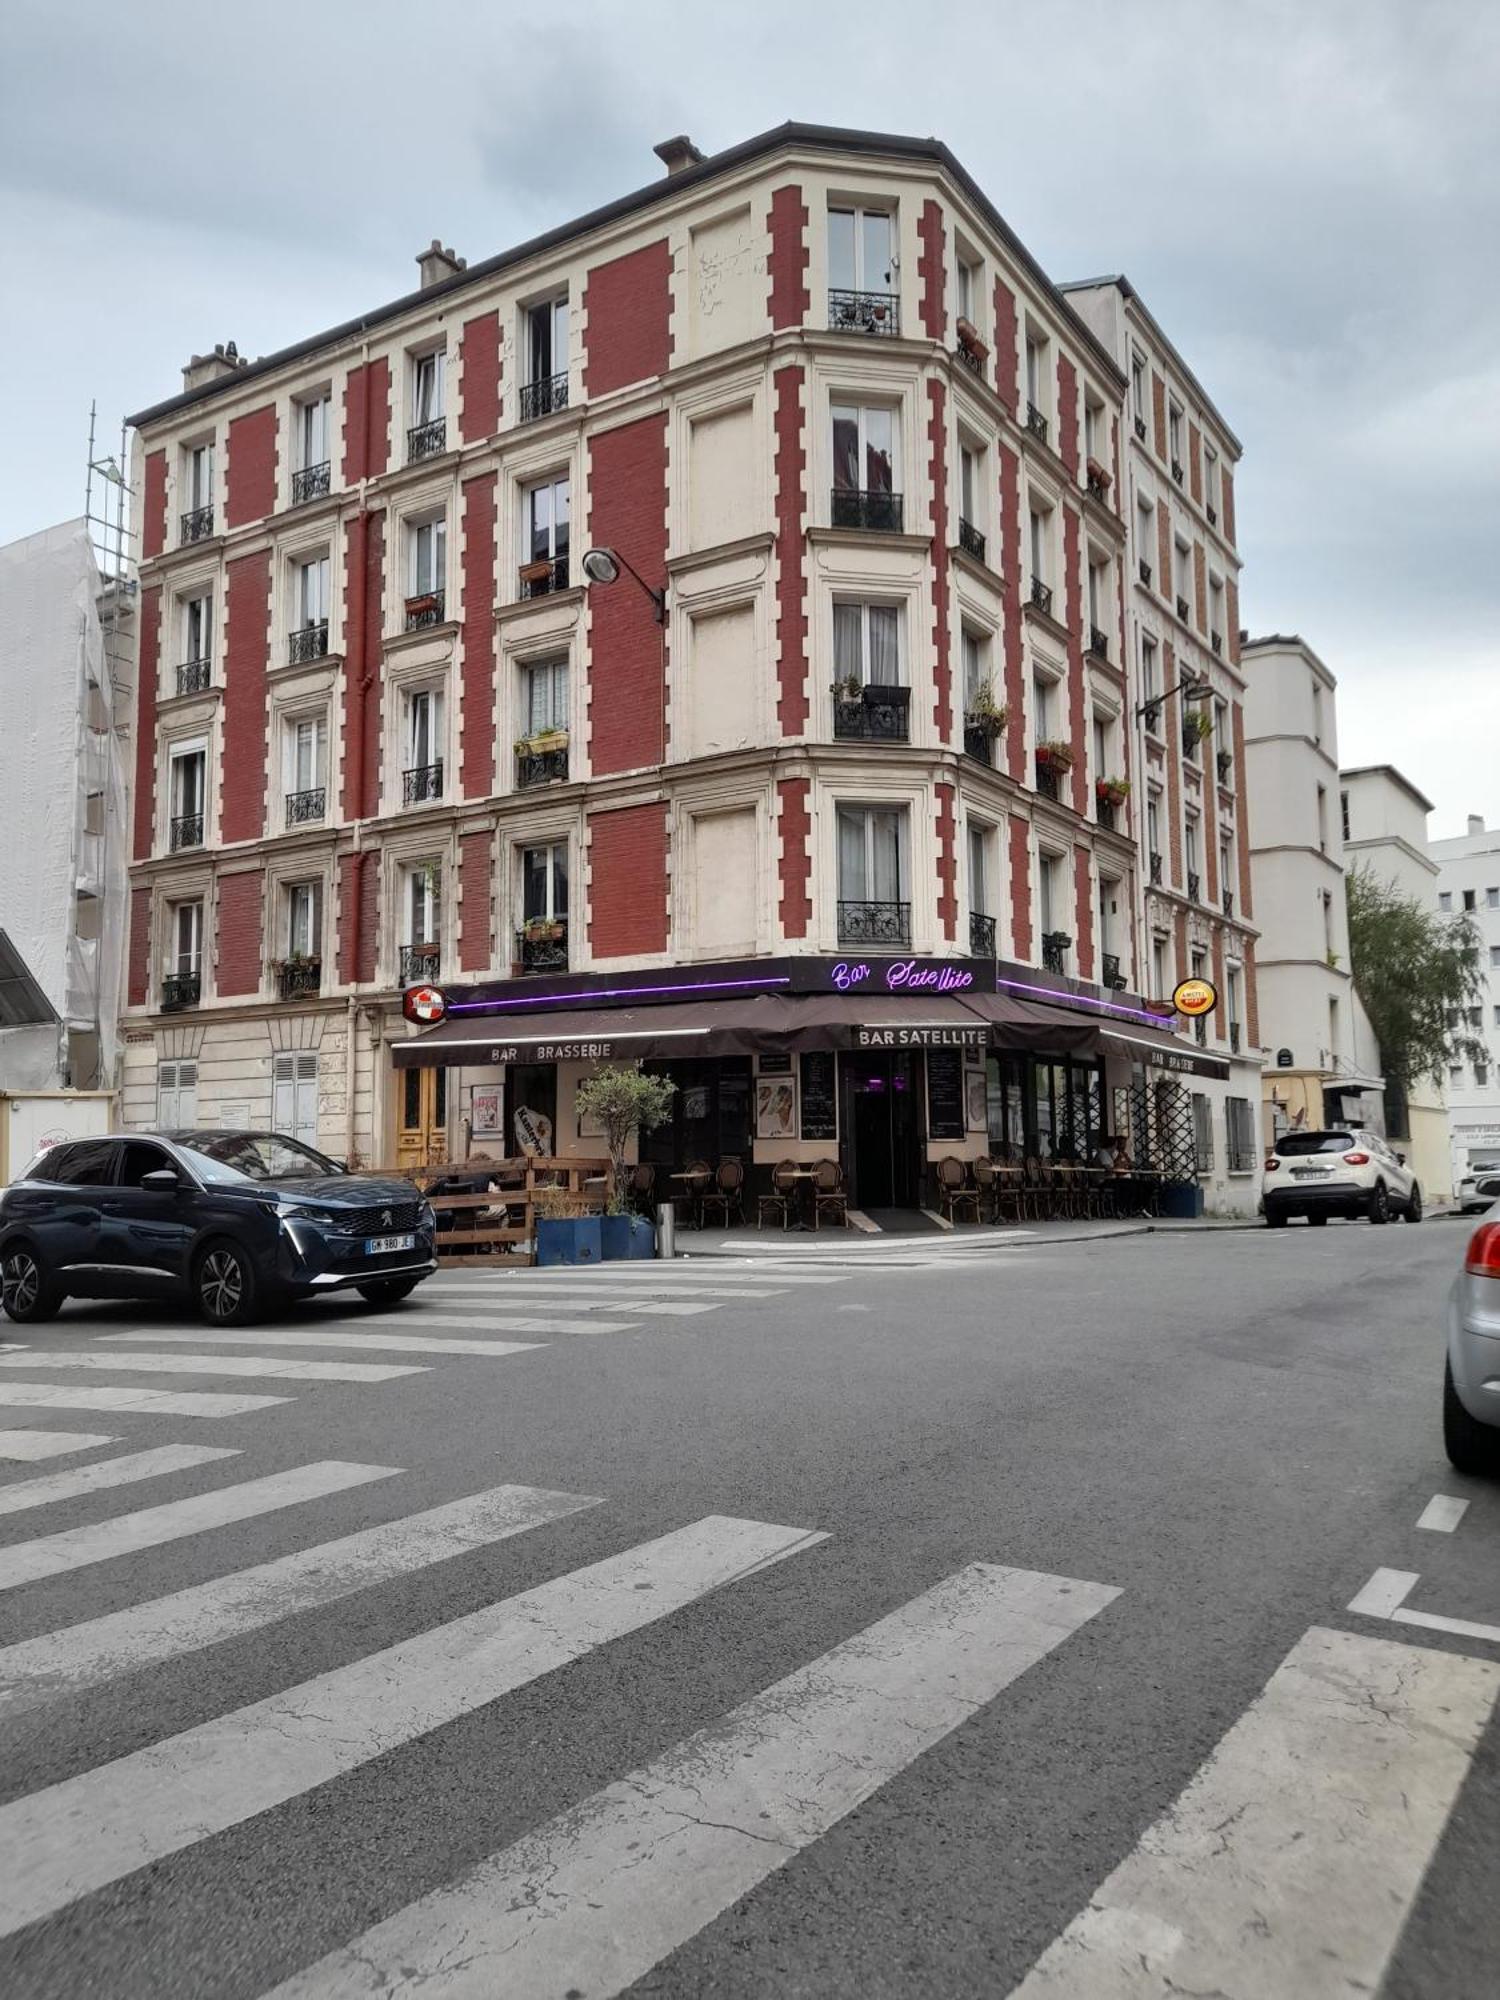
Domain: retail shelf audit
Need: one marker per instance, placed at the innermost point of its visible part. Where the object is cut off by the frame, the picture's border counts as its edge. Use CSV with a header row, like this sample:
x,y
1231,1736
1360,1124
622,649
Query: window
x,y
424,917
546,521
1234,981
871,859
1317,711
427,388
974,650
1138,386
1098,593
200,477
1469,899
1323,820
1481,1076
864,448
1328,924
544,882
1474,1016
177,1096
860,254
1455,1076
1190,844
1445,896
310,593
311,427
189,777
1203,1134
1150,683
1101,744
306,766
198,628
1109,894
185,938
304,919
90,1163
1174,434
547,342
424,734
1492,899
1153,823
979,886
1160,984
1093,425
1334,1036
1497,1015
1216,607
294,1095
867,644
1239,1131
429,557
1048,895
970,486
1344,819
1042,706
1495,958
1210,477
1183,563
544,696
1036,371
1040,526
970,276
1145,536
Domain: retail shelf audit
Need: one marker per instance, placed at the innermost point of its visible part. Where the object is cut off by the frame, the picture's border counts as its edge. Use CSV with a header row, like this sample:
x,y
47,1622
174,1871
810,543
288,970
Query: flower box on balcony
x,y
1097,473
1113,791
1055,756
542,744
426,606
970,340
543,930
536,572
983,714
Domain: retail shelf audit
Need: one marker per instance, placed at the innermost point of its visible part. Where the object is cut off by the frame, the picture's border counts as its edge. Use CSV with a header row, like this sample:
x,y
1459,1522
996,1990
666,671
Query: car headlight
x,y
426,1219
292,1211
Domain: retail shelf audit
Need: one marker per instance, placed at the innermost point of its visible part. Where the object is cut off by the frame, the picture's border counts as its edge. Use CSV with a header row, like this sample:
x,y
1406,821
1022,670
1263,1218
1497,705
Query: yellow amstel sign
x,y
1194,997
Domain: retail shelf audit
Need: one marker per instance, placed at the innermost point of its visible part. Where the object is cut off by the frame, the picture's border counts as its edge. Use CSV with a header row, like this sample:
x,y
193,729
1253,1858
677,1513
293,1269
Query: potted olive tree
x,y
624,1101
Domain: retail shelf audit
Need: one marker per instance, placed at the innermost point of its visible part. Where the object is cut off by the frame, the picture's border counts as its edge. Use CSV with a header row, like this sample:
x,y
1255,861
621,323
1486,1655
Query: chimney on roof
x,y
225,360
678,154
437,262
1476,822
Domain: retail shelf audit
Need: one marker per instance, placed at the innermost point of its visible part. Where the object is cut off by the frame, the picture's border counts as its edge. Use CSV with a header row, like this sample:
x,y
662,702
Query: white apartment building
x,y
1469,883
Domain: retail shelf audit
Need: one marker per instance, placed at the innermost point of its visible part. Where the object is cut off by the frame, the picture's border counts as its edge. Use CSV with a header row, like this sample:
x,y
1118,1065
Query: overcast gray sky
x,y
1307,195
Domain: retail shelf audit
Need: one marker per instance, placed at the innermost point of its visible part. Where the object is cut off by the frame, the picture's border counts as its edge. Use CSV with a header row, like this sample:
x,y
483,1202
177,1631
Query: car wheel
x,y
224,1285
1318,1221
387,1291
1414,1206
1275,1219
1471,1446
1379,1209
26,1290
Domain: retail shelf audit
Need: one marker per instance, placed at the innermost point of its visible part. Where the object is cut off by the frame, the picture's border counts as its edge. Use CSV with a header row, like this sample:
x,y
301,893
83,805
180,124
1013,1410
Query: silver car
x,y
1471,1380
1478,1191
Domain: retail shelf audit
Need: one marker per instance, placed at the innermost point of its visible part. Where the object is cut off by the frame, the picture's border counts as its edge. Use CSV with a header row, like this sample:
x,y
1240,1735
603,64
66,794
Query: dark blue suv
x,y
239,1222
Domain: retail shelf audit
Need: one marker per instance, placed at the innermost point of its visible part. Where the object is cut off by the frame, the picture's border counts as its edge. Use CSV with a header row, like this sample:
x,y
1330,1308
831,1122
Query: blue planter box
x,y
1182,1200
627,1236
568,1240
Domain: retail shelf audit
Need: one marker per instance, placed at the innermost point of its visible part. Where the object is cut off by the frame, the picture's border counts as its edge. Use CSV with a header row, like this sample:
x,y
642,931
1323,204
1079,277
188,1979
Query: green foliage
x,y
624,1101
1412,969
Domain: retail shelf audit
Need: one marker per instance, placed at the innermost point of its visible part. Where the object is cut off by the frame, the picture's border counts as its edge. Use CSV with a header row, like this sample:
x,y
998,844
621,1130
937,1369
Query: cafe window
x,y
710,1117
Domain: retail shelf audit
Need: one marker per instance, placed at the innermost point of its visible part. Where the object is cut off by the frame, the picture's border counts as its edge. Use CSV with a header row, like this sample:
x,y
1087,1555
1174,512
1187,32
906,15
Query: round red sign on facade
x,y
424,1004
1194,997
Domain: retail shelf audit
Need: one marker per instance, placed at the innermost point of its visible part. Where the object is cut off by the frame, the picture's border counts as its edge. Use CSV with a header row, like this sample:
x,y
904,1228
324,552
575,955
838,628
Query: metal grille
x,y
540,767
1036,423
308,642
875,923
311,483
879,714
970,540
198,525
541,398
1157,1121
426,440
193,676
981,935
541,578
424,610
421,783
854,507
864,312
304,807
379,1221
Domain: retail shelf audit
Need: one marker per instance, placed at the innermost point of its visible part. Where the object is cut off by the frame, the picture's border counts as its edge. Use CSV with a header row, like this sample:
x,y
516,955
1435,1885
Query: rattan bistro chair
x,y
830,1197
954,1191
782,1193
727,1193
693,1190
643,1188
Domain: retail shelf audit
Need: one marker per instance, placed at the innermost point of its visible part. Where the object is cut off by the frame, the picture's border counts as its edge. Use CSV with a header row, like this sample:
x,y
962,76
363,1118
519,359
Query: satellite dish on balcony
x,y
599,566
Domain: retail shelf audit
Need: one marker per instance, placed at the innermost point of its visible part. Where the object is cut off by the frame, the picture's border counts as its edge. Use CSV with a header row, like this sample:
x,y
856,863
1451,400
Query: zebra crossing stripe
x,y
1289,1863
418,1322
103,1472
83,1656
222,1364
572,1291
90,1830
32,1445
144,1402
299,1336
589,1903
592,1298
149,1527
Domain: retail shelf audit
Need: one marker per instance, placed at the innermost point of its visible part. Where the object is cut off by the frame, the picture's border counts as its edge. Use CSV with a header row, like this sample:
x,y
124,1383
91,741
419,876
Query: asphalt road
x,y
1116,1730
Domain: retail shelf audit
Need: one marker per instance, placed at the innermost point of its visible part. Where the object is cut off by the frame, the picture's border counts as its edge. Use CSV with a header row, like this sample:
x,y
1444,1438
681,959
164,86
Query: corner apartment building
x,y
795,790
1180,609
1468,883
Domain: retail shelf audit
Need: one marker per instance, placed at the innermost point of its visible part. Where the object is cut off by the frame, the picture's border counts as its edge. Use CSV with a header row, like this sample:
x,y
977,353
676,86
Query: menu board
x,y
774,1065
820,1112
945,1094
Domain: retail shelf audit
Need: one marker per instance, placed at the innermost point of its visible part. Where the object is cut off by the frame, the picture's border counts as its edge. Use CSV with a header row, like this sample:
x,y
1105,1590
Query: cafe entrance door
x,y
882,1090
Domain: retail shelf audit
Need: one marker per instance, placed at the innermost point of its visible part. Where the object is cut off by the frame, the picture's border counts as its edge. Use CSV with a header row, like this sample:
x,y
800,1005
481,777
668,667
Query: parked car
x,y
1478,1191
1471,1376
1338,1172
238,1222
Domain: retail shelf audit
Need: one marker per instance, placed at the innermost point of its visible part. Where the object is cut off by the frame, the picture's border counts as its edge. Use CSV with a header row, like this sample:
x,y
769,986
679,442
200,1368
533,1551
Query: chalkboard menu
x,y
775,1065
945,1094
820,1115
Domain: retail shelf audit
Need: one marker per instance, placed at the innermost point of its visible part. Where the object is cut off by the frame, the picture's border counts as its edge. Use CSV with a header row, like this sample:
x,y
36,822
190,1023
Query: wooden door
x,y
422,1119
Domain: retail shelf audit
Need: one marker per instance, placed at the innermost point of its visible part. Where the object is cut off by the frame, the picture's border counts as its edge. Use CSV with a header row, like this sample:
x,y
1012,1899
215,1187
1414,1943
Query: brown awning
x,y
1163,1051
1018,1023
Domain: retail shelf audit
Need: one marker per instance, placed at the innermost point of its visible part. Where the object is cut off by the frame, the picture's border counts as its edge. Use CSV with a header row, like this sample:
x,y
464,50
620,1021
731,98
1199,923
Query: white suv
x,y
1338,1172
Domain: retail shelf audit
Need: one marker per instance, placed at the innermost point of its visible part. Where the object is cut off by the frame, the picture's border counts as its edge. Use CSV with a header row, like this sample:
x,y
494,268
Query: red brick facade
x,y
1077,691
795,822
364,556
241,942
476,941
1013,635
790,299
247,598
1083,913
1243,830
932,267
1172,712
628,304
138,972
1226,517
148,679
477,694
947,861
479,366
154,506
791,585
1159,414
359,915
1195,461
367,421
1067,414
942,663
1007,348
251,470
1020,886
628,887
628,686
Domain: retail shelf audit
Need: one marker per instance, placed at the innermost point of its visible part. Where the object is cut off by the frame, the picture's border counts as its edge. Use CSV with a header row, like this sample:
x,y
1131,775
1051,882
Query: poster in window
x,y
819,1095
775,1108
975,1097
533,1131
484,1111
695,1104
945,1094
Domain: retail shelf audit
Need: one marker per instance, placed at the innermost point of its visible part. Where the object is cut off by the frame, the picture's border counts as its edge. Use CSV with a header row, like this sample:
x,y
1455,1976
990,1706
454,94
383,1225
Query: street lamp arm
x,y
658,597
1193,689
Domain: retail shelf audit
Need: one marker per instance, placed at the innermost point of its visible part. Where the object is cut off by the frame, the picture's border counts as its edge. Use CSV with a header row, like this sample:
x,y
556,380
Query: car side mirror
x,y
161,1180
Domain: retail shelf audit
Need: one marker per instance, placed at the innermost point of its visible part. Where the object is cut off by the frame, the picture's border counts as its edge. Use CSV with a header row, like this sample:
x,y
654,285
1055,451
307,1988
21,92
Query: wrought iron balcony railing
x,y
297,977
1048,780
1055,951
186,831
1213,517
970,540
180,989
1098,643
1041,595
1140,429
193,676
1177,470
980,745
1155,868
1110,974
541,767
426,608
423,782
198,524
1216,640
981,935
1143,569
1104,812
306,808
541,397
426,440
1036,423
969,358
308,642
1229,902
1234,1037
1194,884
865,312
544,576
875,509
311,483
1098,489
418,962
543,946
875,715
874,923
1182,609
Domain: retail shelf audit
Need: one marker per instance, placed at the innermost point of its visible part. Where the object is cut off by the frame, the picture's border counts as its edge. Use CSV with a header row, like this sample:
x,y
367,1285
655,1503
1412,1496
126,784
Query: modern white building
x,y
1468,882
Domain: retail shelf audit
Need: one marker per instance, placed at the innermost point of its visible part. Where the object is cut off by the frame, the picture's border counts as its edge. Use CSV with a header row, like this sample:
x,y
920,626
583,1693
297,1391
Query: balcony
x,y
1097,486
1194,885
179,990
1143,569
1177,470
419,962
1229,902
1224,760
865,312
544,576
970,540
186,831
1055,945
981,935
874,715
425,609
541,767
543,396
973,361
1234,1038
979,743
308,642
1110,974
426,440
1098,643
1041,595
307,807
422,784
297,978
1036,423
1182,609
876,510
198,524
311,483
1105,811
1155,861
1213,517
1216,640
193,676
1140,429
542,945
875,924
1049,776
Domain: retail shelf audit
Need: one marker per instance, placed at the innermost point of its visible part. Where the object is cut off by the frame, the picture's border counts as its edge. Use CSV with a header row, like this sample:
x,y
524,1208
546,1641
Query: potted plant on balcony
x,y
1225,761
1197,727
1113,791
624,1101
1054,755
424,605
542,930
541,743
983,713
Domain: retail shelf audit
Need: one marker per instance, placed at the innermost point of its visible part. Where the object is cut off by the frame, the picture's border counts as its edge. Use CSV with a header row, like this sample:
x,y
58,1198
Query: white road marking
x,y
1386,1593
1290,1861
222,1364
300,1336
144,1402
87,1831
649,1276
1442,1513
149,1527
592,1901
512,1323
590,1298
80,1479
81,1656
32,1445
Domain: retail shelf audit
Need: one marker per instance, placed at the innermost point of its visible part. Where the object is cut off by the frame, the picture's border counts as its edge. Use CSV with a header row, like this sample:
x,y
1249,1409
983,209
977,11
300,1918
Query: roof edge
x,y
1123,285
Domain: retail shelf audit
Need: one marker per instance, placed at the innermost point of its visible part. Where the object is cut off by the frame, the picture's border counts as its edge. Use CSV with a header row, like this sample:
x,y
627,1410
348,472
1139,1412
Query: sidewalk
x,y
780,1243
